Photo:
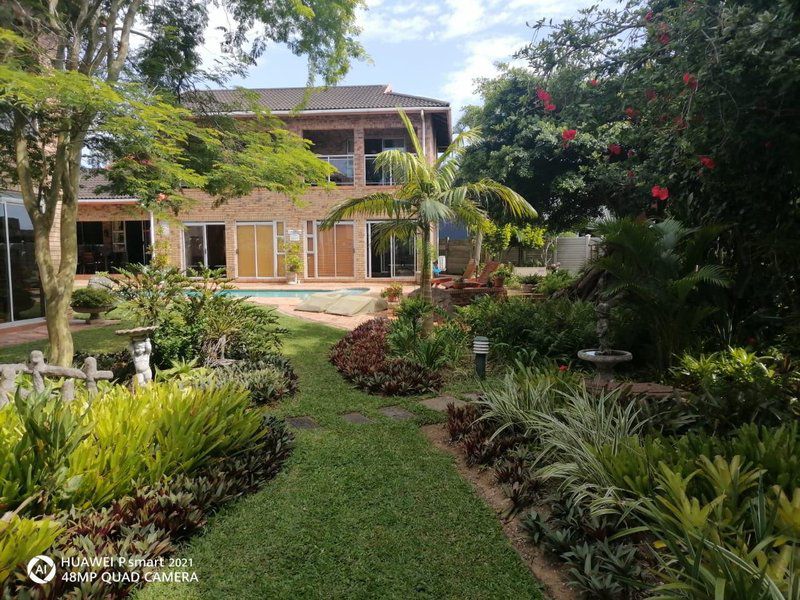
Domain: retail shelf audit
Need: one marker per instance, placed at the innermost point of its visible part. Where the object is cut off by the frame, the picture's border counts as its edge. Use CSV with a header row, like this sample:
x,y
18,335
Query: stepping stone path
x,y
302,423
356,417
398,413
440,403
472,396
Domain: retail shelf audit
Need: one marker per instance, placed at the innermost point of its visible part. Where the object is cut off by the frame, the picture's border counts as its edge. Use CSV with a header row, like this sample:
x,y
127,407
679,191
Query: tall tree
x,y
428,194
63,87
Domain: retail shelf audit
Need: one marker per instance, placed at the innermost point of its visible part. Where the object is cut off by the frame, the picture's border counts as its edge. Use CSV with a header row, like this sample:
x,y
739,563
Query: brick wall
x,y
264,206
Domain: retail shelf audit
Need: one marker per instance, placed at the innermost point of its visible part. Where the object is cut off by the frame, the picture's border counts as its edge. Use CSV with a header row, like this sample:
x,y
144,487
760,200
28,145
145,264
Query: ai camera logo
x,y
41,569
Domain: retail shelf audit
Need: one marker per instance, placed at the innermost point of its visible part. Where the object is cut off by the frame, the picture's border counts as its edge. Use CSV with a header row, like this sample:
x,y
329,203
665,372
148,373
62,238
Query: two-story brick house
x,y
348,126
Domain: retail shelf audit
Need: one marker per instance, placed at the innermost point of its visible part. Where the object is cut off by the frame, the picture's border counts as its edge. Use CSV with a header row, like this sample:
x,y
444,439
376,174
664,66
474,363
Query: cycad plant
x,y
428,192
662,271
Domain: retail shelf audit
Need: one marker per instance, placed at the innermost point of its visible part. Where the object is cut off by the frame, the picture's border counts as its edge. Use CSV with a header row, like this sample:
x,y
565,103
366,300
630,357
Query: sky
x,y
435,49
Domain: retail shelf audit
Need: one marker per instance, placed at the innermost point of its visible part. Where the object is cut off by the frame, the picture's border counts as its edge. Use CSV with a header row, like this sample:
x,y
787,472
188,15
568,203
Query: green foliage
x,y
736,386
153,519
393,291
90,297
663,95
363,358
554,281
269,379
87,453
150,291
294,257
662,270
497,238
21,539
551,330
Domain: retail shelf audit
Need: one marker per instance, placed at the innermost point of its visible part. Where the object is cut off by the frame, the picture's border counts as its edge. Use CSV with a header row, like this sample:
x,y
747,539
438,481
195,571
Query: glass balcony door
x,y
373,147
398,259
204,245
343,163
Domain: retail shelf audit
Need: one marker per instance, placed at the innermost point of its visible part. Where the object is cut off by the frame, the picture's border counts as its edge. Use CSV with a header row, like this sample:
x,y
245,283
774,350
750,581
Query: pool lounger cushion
x,y
349,306
318,302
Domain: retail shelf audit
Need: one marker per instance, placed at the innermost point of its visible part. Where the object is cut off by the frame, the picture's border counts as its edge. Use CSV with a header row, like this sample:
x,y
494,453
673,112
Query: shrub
x,y
88,452
21,539
268,379
552,282
149,522
736,386
362,357
554,329
393,291
91,297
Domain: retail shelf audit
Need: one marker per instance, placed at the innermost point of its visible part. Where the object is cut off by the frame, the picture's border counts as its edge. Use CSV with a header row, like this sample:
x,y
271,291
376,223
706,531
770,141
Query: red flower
x,y
563,368
659,193
631,112
650,95
615,149
544,96
663,39
631,174
569,134
690,81
594,82
680,122
550,107
708,162
649,16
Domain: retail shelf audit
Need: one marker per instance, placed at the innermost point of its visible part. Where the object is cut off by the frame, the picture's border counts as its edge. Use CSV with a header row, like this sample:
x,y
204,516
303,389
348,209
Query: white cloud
x,y
481,61
397,21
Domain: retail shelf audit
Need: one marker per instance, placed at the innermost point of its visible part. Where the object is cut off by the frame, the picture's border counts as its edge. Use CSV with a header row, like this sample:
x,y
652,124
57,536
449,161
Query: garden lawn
x,y
96,340
360,511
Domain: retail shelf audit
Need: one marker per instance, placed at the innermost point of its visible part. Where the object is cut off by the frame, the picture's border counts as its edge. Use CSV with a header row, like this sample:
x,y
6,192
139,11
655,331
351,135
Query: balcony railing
x,y
344,167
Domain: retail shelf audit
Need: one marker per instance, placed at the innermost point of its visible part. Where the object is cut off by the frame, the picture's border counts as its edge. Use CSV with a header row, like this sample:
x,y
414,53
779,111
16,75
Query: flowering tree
x,y
69,81
685,109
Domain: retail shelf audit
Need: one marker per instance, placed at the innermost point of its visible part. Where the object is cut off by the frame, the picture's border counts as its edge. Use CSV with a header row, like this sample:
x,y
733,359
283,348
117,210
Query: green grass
x,y
360,511
95,340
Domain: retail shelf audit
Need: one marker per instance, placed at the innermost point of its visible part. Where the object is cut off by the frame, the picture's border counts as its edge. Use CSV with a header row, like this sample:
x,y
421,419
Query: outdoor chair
x,y
448,280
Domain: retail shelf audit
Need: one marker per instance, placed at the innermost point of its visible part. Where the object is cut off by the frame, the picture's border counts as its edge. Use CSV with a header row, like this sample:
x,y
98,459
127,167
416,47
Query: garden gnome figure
x,y
140,350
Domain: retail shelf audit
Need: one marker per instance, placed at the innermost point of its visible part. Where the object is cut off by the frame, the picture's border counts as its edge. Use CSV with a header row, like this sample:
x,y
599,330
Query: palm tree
x,y
428,194
662,271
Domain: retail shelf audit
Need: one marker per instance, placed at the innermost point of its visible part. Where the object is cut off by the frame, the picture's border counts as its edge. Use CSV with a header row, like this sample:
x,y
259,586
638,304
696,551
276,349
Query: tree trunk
x,y
478,247
427,260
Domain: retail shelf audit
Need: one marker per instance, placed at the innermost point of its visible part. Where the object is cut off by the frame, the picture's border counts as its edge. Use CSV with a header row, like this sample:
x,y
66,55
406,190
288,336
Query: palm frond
x,y
488,189
382,233
455,150
412,133
378,204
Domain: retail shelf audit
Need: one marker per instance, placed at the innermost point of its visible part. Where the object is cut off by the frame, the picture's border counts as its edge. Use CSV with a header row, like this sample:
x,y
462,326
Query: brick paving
x,y
34,332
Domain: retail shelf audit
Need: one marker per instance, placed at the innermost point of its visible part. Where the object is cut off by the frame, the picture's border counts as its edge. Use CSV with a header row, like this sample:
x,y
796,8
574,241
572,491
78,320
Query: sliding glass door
x,y
20,290
397,259
204,245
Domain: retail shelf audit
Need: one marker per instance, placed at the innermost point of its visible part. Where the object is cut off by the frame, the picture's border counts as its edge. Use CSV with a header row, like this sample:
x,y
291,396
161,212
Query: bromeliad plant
x,y
428,193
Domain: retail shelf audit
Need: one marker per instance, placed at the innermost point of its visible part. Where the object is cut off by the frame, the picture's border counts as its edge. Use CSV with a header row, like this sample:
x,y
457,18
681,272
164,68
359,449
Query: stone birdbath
x,y
141,348
604,358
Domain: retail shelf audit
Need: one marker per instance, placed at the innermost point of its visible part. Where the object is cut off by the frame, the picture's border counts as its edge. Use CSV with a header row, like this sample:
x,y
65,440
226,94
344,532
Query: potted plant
x,y
294,263
92,301
392,292
501,274
529,283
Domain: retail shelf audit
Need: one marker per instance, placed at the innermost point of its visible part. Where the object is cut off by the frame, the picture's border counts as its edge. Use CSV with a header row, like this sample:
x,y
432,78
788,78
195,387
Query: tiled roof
x,y
343,97
88,184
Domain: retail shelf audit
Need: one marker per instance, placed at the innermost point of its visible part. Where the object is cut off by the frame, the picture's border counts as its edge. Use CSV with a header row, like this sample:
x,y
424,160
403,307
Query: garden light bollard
x,y
480,347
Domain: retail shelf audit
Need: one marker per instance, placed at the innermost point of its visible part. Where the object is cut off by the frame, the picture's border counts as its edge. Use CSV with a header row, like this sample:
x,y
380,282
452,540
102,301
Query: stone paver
x,y
440,403
302,423
356,417
472,396
398,413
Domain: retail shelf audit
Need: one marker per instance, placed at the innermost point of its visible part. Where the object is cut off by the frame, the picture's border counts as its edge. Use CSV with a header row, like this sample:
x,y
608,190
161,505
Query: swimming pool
x,y
292,293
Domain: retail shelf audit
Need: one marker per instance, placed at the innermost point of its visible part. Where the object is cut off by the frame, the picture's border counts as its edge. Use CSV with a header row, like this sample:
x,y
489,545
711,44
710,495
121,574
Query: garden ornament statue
x,y
604,358
141,348
38,369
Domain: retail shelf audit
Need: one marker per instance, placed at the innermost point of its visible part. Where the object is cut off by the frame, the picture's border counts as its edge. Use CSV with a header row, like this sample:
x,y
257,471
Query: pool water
x,y
292,293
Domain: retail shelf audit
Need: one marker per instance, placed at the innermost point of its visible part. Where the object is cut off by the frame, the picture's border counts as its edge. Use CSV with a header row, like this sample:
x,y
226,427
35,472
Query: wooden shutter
x,y
326,253
266,251
245,244
345,252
